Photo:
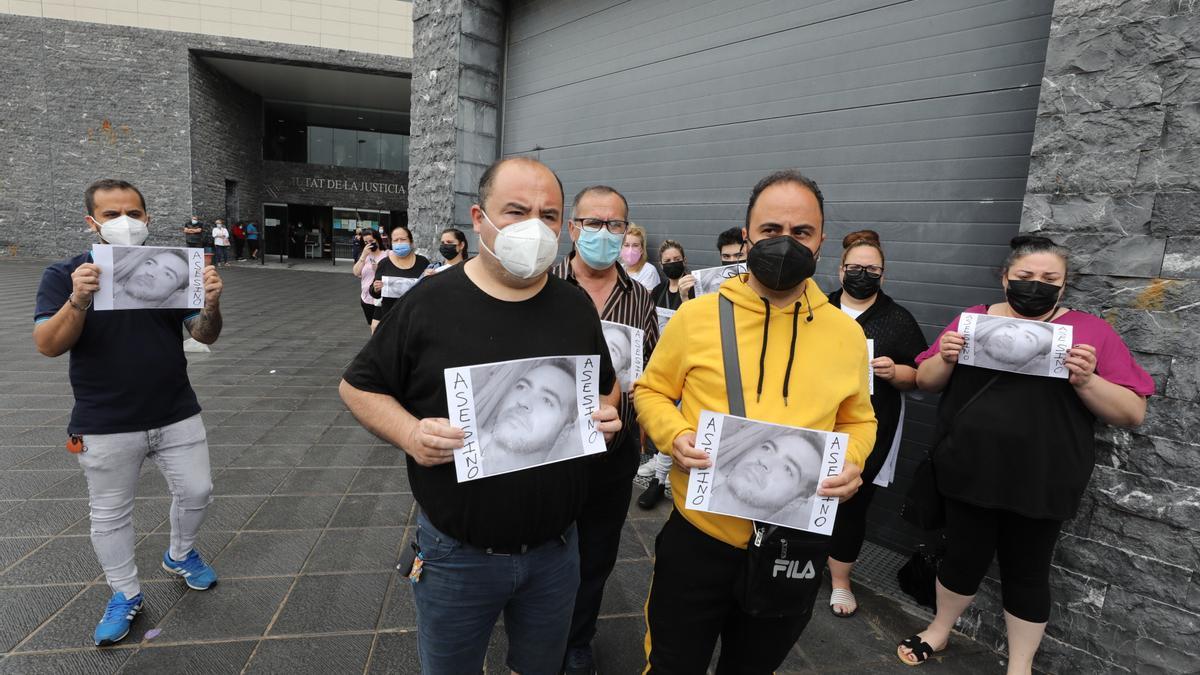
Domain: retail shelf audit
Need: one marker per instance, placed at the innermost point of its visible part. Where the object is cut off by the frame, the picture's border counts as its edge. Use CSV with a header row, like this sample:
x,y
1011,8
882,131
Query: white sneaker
x,y
646,470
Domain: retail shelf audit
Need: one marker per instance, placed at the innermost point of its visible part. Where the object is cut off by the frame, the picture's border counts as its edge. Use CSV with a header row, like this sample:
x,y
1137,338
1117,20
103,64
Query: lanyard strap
x,y
729,352
733,388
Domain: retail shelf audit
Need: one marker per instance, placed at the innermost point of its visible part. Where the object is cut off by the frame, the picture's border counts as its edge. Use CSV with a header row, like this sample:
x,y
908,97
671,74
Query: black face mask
x,y
1032,298
373,246
860,286
673,270
781,263
448,251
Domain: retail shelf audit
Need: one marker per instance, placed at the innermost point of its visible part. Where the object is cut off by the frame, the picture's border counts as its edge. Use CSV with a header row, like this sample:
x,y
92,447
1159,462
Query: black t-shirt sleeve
x,y
379,366
52,292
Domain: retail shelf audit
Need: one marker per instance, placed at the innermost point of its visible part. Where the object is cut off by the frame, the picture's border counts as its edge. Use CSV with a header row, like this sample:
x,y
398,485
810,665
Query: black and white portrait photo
x,y
522,414
664,315
396,287
766,472
1015,345
625,348
708,280
149,277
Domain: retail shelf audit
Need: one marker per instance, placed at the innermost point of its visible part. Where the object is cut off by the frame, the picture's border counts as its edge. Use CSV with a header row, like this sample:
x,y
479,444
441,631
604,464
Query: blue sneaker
x,y
118,617
195,572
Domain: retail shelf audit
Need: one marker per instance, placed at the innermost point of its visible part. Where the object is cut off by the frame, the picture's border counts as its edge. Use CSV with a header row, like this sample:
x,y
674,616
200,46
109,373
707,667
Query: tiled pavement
x,y
308,518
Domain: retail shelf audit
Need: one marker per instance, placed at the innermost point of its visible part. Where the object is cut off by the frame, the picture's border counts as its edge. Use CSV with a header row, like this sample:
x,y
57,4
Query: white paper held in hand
x,y
766,472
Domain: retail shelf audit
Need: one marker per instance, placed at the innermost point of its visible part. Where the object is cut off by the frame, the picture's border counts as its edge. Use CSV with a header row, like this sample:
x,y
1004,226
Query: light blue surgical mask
x,y
599,249
402,249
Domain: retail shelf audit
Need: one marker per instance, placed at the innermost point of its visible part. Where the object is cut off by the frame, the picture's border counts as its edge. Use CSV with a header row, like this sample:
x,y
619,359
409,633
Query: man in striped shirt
x,y
600,217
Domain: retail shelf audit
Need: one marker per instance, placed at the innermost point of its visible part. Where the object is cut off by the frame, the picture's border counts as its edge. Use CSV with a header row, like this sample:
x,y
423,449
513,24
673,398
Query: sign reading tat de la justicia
x,y
306,183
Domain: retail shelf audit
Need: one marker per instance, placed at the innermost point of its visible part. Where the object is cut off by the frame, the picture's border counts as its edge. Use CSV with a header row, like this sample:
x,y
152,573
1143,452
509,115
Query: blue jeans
x,y
462,590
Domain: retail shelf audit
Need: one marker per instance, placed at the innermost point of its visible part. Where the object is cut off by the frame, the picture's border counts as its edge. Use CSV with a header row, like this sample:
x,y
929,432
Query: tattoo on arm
x,y
206,328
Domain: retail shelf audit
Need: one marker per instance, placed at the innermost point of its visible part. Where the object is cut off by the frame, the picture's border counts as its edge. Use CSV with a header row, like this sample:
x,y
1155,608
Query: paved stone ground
x,y
309,515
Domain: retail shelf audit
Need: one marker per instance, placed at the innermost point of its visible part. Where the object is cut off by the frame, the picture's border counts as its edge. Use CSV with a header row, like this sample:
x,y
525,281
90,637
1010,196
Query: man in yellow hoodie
x,y
803,363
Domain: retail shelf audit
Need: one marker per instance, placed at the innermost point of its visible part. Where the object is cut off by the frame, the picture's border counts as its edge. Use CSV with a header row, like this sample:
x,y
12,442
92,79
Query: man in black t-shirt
x,y
503,543
132,401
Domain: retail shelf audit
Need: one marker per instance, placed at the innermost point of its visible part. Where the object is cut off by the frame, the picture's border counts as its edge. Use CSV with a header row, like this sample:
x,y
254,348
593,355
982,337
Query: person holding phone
x,y
364,269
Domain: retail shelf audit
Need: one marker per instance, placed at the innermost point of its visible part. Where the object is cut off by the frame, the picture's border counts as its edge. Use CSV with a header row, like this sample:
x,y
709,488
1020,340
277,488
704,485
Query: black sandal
x,y
918,647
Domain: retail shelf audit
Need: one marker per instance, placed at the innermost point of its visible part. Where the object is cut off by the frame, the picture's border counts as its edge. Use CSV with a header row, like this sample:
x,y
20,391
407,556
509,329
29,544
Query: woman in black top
x,y
678,285
402,261
898,341
1015,451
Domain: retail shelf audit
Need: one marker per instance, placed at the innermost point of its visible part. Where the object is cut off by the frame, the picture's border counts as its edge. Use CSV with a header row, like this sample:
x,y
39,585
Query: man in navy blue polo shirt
x,y
133,400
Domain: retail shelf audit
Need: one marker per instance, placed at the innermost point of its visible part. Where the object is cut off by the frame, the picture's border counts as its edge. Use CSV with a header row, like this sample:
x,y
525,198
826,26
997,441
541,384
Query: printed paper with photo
x,y
1015,345
396,287
870,370
709,279
523,414
664,315
149,277
765,472
625,345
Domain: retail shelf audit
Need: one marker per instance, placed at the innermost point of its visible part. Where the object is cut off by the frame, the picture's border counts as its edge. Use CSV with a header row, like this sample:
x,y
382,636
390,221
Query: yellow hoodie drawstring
x,y
762,357
787,374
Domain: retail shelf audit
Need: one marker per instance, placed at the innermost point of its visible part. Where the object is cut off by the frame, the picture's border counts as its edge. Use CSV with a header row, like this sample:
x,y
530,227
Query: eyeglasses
x,y
873,271
594,224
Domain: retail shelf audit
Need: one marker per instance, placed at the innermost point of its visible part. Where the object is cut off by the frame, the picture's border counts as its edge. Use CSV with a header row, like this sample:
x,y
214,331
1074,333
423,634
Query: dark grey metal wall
x,y
916,118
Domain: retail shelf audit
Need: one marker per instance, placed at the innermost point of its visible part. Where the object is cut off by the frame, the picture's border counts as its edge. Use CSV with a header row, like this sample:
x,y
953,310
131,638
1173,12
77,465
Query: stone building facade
x,y
85,101
1115,175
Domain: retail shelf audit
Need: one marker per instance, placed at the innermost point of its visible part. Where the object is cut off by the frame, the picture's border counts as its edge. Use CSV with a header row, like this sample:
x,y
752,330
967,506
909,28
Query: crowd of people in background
x,y
1012,453
217,240
701,558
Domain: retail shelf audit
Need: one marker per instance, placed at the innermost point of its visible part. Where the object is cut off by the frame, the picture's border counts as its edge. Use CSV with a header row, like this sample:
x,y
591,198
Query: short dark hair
x,y
731,236
599,190
785,176
1028,244
489,177
89,195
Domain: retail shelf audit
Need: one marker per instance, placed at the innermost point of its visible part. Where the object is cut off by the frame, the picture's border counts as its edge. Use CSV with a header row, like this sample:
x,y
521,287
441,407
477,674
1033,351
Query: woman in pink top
x,y
1014,451
364,269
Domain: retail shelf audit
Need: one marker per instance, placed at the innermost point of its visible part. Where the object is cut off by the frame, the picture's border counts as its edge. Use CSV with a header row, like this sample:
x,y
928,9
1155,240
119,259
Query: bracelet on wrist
x,y
76,305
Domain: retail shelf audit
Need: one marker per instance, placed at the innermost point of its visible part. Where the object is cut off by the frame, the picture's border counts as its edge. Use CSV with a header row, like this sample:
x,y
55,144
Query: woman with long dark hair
x,y
364,269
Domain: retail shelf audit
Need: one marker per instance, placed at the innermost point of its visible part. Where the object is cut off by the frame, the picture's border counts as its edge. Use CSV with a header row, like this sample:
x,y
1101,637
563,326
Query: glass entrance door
x,y
347,220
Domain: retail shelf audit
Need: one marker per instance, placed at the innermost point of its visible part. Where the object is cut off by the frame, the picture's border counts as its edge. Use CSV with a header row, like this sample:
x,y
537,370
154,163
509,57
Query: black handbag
x,y
924,506
783,566
918,576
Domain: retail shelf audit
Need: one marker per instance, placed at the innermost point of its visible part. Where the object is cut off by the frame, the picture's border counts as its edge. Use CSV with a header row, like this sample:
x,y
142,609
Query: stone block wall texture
x,y
226,131
84,101
458,48
1115,175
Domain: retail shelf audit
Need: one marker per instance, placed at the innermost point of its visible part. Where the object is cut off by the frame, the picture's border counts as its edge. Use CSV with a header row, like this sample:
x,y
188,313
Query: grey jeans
x,y
112,462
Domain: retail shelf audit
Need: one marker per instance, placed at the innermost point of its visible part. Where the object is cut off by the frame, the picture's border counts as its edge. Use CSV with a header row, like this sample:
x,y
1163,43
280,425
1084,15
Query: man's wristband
x,y
71,299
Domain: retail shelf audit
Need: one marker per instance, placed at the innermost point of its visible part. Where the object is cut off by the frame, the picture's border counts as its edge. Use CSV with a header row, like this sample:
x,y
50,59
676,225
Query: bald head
x,y
487,181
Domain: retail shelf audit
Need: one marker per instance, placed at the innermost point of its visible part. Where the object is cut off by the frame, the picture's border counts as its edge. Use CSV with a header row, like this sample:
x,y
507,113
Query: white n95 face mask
x,y
526,249
124,231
